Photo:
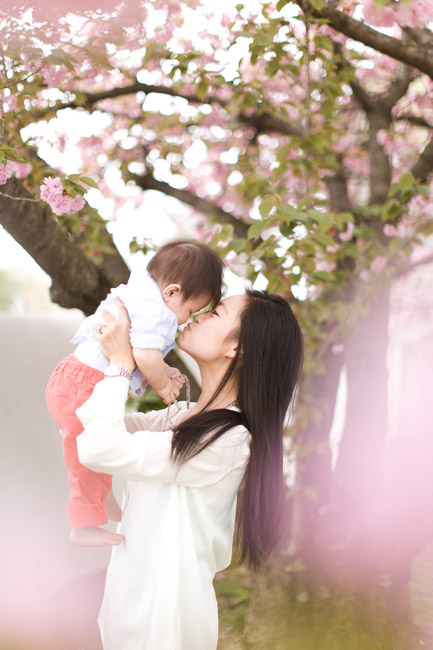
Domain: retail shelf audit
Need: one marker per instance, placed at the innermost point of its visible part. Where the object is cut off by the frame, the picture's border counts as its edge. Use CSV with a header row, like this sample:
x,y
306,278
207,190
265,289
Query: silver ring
x,y
100,328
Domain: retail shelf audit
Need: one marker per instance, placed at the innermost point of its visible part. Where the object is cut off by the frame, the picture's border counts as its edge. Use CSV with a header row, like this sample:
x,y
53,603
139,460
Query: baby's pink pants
x,y
70,385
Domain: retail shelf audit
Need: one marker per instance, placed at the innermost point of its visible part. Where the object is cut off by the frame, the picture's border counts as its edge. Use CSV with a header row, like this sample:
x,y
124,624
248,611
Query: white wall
x,y
49,590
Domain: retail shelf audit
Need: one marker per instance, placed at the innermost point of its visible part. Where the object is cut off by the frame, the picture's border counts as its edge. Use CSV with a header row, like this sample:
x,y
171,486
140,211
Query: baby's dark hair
x,y
196,267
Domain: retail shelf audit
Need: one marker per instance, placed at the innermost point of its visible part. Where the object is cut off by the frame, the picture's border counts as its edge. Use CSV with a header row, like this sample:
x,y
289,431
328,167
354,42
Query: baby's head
x,y
189,276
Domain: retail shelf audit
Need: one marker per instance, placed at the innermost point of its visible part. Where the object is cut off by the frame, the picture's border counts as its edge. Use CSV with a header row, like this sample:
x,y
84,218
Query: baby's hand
x,y
175,375
169,392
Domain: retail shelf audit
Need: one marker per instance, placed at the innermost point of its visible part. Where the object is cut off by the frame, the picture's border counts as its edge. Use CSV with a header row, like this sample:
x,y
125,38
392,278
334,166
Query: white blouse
x,y
178,524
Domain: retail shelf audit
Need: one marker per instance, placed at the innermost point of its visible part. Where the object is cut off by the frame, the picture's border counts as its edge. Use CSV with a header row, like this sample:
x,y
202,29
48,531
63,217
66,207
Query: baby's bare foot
x,y
93,536
114,511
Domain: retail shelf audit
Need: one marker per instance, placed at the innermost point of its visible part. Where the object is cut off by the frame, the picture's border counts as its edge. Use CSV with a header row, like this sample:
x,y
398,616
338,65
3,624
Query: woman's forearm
x,y
124,360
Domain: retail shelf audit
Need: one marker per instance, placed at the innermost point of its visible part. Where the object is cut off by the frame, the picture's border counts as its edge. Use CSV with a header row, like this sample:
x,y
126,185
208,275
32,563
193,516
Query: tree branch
x,y
365,100
413,119
263,122
416,57
407,268
338,195
424,165
398,88
77,282
380,167
92,98
149,182
266,122
113,265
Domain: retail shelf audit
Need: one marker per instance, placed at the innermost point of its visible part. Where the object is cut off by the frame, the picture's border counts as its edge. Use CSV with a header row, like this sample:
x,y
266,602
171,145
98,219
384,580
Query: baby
x,y
181,279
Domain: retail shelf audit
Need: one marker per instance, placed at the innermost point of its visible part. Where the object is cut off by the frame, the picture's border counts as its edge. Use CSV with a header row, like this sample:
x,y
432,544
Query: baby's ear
x,y
171,290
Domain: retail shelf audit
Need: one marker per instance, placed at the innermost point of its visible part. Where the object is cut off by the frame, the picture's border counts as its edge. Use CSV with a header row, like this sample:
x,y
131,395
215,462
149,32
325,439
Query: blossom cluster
x,y
417,13
21,170
58,198
6,171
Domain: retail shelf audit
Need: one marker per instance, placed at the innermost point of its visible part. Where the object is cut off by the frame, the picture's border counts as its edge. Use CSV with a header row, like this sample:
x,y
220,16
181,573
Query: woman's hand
x,y
114,338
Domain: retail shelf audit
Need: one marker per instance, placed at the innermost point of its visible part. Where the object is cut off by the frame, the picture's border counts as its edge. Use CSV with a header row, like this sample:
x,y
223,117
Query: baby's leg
x,y
69,387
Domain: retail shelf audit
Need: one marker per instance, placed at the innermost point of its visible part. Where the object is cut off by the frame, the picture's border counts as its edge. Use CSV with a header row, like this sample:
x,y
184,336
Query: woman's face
x,y
208,339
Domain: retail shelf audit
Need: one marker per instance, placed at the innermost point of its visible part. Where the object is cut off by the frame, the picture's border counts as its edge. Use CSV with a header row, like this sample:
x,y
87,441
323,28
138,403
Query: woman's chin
x,y
181,343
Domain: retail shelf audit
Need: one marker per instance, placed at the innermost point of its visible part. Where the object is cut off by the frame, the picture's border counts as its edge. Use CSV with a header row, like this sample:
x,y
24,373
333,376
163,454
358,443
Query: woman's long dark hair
x,y
266,368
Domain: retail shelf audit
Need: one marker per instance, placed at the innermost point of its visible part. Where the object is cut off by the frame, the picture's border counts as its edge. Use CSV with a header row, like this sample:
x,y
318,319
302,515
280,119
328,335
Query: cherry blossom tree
x,y
299,133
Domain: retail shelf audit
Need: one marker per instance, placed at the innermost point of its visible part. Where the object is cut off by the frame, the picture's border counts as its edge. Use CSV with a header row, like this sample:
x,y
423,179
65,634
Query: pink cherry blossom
x,y
58,199
11,102
364,275
385,17
343,143
417,13
379,264
389,230
6,171
381,136
347,236
53,75
325,265
23,169
337,348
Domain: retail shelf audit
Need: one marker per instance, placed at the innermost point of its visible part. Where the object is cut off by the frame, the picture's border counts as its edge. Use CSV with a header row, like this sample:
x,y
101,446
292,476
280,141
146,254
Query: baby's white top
x,y
153,324
178,524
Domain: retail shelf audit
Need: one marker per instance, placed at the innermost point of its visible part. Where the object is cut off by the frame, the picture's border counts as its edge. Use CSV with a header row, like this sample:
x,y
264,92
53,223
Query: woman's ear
x,y
232,351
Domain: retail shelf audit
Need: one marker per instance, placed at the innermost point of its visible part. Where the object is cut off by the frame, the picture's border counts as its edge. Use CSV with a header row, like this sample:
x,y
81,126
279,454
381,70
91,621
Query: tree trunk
x,y
77,281
314,473
359,471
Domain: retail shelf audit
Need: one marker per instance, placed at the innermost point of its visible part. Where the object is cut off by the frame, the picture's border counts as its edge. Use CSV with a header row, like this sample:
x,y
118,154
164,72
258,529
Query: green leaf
x,y
54,60
323,219
238,245
202,89
391,210
324,276
69,186
266,206
89,181
75,178
256,229
405,183
345,217
64,55
349,250
287,212
323,239
15,157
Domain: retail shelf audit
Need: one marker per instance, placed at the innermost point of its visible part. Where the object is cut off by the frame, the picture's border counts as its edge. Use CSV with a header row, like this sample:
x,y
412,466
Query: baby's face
x,y
183,310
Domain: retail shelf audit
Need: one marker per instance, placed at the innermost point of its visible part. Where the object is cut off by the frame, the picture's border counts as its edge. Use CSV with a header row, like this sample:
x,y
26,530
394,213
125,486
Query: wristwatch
x,y
113,370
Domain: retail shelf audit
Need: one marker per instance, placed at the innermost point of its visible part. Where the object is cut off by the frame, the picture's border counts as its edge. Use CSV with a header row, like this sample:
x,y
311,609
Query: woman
x,y
183,475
